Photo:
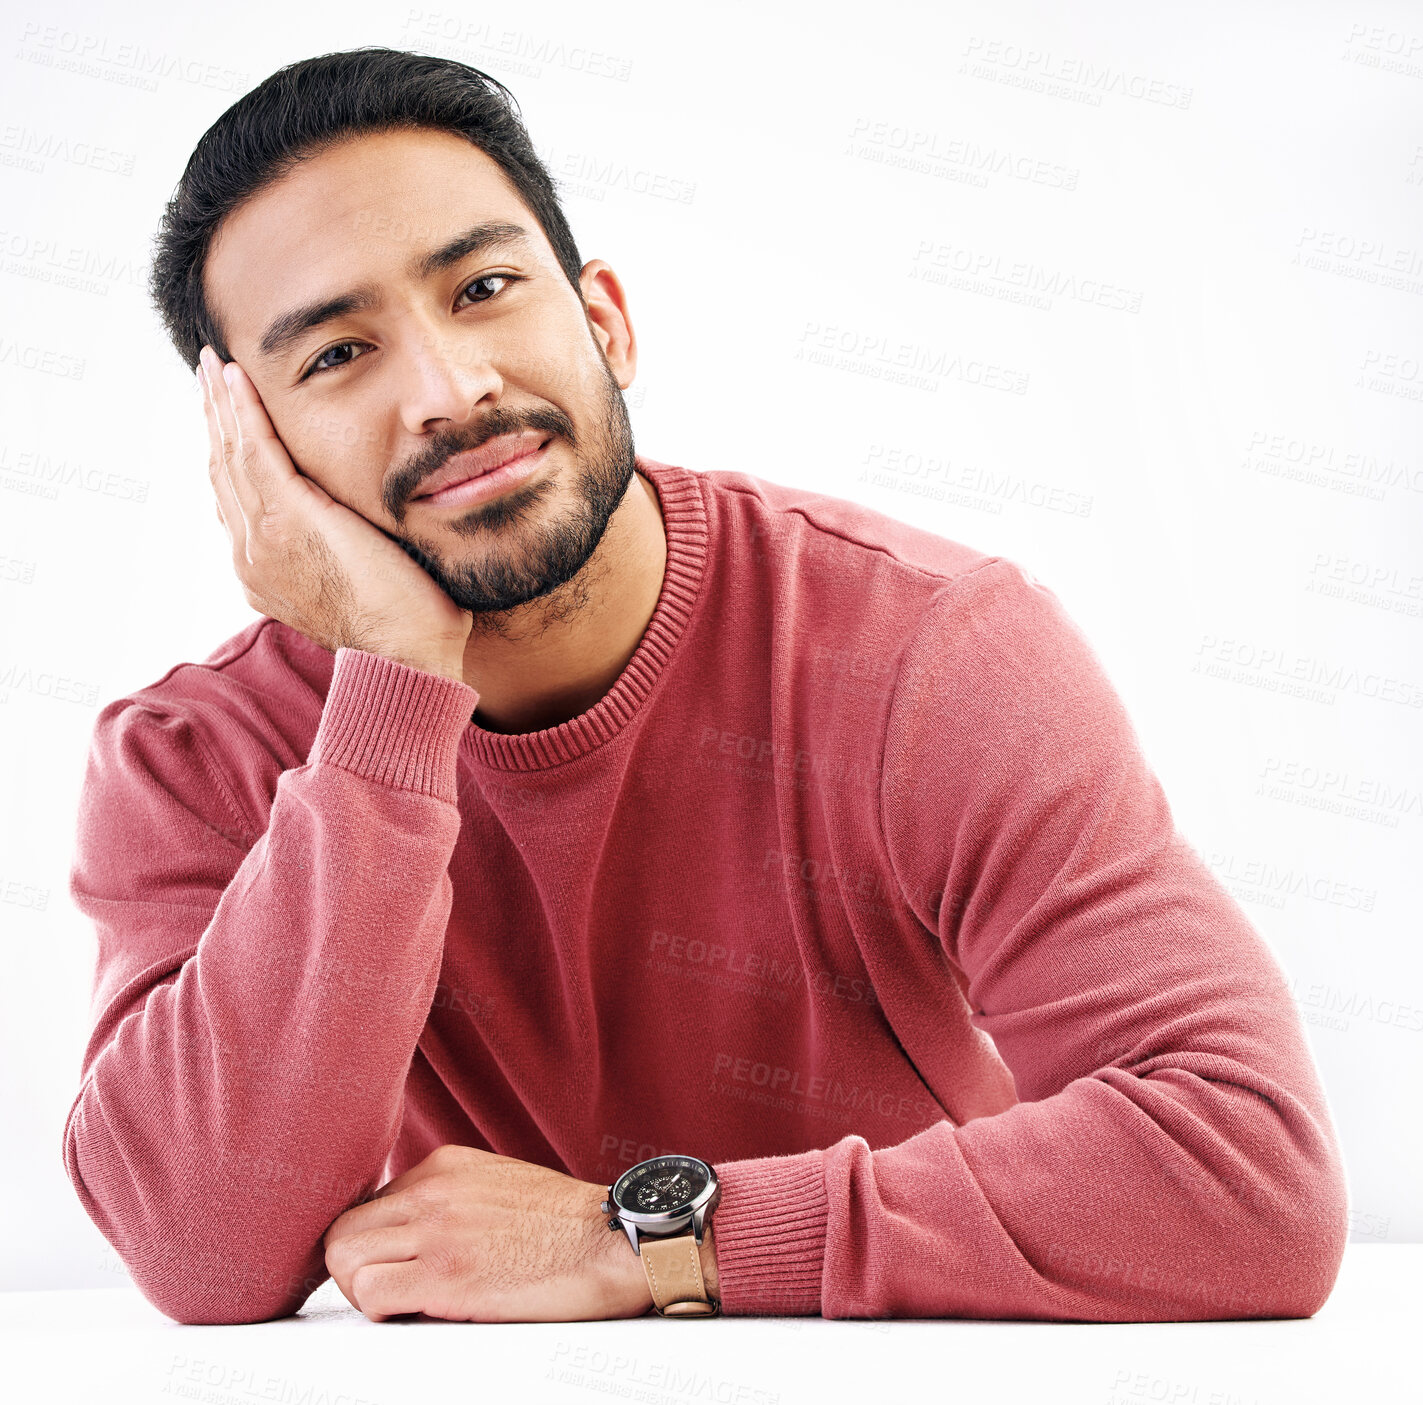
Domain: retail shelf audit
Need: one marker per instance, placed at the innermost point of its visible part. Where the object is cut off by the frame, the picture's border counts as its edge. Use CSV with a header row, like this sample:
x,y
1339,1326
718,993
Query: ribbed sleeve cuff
x,y
769,1232
393,724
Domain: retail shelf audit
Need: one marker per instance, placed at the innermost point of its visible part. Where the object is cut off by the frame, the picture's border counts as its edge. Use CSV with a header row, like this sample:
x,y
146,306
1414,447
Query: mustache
x,y
406,481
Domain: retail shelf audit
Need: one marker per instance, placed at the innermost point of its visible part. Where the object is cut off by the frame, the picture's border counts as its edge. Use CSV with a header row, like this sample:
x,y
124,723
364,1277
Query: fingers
x,y
229,513
387,1289
359,1255
262,454
222,425
370,1214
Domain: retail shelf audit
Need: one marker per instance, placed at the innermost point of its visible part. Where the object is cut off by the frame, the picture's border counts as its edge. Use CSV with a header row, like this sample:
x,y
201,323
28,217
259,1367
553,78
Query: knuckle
x,y
443,1260
427,1198
450,1154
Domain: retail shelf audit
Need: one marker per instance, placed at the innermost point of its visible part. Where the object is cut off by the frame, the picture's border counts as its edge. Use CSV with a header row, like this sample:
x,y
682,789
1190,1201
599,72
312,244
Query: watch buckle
x,y
690,1307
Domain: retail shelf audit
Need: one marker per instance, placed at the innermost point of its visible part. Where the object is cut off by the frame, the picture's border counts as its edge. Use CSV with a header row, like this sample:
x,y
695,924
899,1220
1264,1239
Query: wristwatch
x,y
662,1205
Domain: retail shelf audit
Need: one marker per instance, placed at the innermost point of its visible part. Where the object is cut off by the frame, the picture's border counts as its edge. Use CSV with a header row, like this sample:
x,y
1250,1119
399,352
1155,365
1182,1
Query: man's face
x,y
481,342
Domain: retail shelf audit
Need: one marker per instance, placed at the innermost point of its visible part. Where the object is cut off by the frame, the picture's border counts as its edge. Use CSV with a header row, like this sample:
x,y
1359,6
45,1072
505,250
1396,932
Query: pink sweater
x,y
856,884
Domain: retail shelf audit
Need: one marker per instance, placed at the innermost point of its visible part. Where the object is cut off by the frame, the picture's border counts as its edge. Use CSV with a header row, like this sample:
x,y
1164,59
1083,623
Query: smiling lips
x,y
475,463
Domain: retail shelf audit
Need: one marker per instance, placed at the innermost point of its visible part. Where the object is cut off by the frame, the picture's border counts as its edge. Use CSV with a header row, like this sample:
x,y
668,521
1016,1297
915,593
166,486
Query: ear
x,y
608,318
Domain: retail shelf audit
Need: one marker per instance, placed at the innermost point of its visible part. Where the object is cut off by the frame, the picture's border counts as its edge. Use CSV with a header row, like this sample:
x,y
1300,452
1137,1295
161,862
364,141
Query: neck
x,y
555,657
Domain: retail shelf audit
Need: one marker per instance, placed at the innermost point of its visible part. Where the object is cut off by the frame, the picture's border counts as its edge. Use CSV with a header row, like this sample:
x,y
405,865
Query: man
x,y
600,817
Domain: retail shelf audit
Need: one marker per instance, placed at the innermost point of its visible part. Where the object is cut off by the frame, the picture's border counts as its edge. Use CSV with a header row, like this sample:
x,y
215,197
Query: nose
x,y
443,378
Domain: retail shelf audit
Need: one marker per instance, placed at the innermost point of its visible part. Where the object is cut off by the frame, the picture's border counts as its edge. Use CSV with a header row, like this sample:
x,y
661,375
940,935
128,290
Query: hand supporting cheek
x,y
308,560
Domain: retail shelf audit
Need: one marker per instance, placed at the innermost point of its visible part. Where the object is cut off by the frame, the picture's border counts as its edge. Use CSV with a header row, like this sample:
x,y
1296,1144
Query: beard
x,y
525,558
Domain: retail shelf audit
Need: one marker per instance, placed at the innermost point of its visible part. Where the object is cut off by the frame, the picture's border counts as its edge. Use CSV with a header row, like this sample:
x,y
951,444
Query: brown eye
x,y
317,367
491,278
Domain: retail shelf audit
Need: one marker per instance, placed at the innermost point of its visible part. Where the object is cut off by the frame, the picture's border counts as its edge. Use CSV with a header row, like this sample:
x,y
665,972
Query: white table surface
x,y
109,1346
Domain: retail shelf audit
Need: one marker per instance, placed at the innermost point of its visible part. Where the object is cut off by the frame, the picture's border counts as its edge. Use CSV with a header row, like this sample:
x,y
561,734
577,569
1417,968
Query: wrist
x,y
626,1291
442,668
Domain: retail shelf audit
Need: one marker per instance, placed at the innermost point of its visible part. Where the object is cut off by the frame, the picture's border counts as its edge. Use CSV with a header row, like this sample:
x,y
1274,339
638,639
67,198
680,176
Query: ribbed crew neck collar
x,y
684,519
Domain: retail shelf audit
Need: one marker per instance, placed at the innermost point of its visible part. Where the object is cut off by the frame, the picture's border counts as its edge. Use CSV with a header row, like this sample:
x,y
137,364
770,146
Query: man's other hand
x,y
475,1237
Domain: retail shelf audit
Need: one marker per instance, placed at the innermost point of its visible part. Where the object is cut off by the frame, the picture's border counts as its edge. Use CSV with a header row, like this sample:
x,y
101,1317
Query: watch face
x,y
666,1185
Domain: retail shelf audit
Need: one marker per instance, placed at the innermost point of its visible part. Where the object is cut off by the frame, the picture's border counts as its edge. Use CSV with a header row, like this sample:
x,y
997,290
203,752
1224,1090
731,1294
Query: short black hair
x,y
302,110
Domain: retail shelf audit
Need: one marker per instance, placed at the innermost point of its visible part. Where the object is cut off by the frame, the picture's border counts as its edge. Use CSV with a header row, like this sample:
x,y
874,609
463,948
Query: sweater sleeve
x,y
1171,1155
256,1004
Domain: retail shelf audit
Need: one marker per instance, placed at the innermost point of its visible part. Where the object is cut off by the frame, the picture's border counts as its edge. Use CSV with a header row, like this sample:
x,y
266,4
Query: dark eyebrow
x,y
293,325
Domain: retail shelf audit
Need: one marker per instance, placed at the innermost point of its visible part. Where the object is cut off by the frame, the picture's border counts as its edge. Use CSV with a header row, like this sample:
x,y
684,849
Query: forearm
x,y
1129,1197
1169,1113
253,1095
1169,1193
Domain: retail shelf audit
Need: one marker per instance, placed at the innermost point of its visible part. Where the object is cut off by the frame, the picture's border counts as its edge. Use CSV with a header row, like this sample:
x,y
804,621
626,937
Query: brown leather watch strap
x,y
674,1273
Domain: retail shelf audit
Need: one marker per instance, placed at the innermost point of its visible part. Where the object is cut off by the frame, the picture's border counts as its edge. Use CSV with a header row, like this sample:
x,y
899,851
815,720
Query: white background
x,y
1190,234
